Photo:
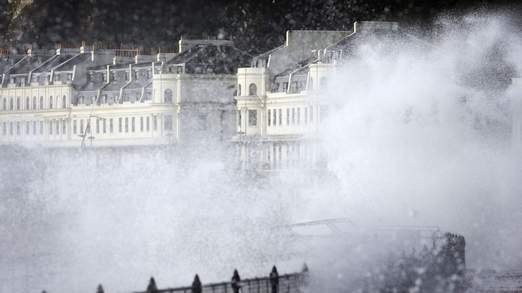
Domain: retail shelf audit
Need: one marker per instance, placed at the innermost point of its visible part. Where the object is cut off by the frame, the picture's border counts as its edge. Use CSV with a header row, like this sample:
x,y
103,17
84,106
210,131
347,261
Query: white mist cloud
x,y
420,136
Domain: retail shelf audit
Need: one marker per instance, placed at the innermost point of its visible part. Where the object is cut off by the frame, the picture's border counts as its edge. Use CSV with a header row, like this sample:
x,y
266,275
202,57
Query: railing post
x,y
235,282
303,280
196,285
100,289
274,280
152,287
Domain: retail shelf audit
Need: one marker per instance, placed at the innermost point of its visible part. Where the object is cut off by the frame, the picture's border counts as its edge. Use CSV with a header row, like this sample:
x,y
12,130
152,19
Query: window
x,y
64,102
51,127
269,117
274,117
287,116
311,114
285,86
298,115
141,124
10,128
50,102
167,96
27,127
27,103
58,127
293,116
104,126
4,128
34,103
148,124
81,126
252,117
252,89
64,126
133,123
111,126
155,123
126,124
74,127
168,122
41,127
280,116
97,125
4,104
11,104
239,118
239,89
34,127
17,104
120,124
41,103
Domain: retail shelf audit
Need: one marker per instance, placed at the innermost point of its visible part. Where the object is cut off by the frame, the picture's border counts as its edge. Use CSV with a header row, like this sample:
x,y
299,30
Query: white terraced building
x,y
280,99
111,98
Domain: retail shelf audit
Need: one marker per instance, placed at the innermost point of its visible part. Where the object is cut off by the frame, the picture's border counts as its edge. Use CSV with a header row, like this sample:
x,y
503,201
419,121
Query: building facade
x,y
110,98
281,96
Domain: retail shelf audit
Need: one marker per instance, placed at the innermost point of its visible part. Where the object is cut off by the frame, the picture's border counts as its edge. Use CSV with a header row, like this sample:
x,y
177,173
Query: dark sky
x,y
255,25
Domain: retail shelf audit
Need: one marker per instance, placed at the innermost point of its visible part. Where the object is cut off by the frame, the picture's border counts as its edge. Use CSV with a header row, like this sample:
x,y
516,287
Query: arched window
x,y
168,96
50,102
64,102
252,89
27,103
239,89
41,102
34,103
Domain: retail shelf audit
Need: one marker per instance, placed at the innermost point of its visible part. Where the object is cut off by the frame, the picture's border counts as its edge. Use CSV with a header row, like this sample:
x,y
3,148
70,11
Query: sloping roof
x,y
28,63
301,65
55,61
7,61
219,59
68,66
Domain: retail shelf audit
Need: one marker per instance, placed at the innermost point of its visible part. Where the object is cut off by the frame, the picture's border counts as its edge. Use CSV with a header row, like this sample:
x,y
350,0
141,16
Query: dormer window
x,y
252,89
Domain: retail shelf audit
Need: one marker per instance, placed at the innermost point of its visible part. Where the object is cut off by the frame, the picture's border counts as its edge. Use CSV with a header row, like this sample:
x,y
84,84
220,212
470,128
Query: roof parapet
x,y
185,44
372,26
